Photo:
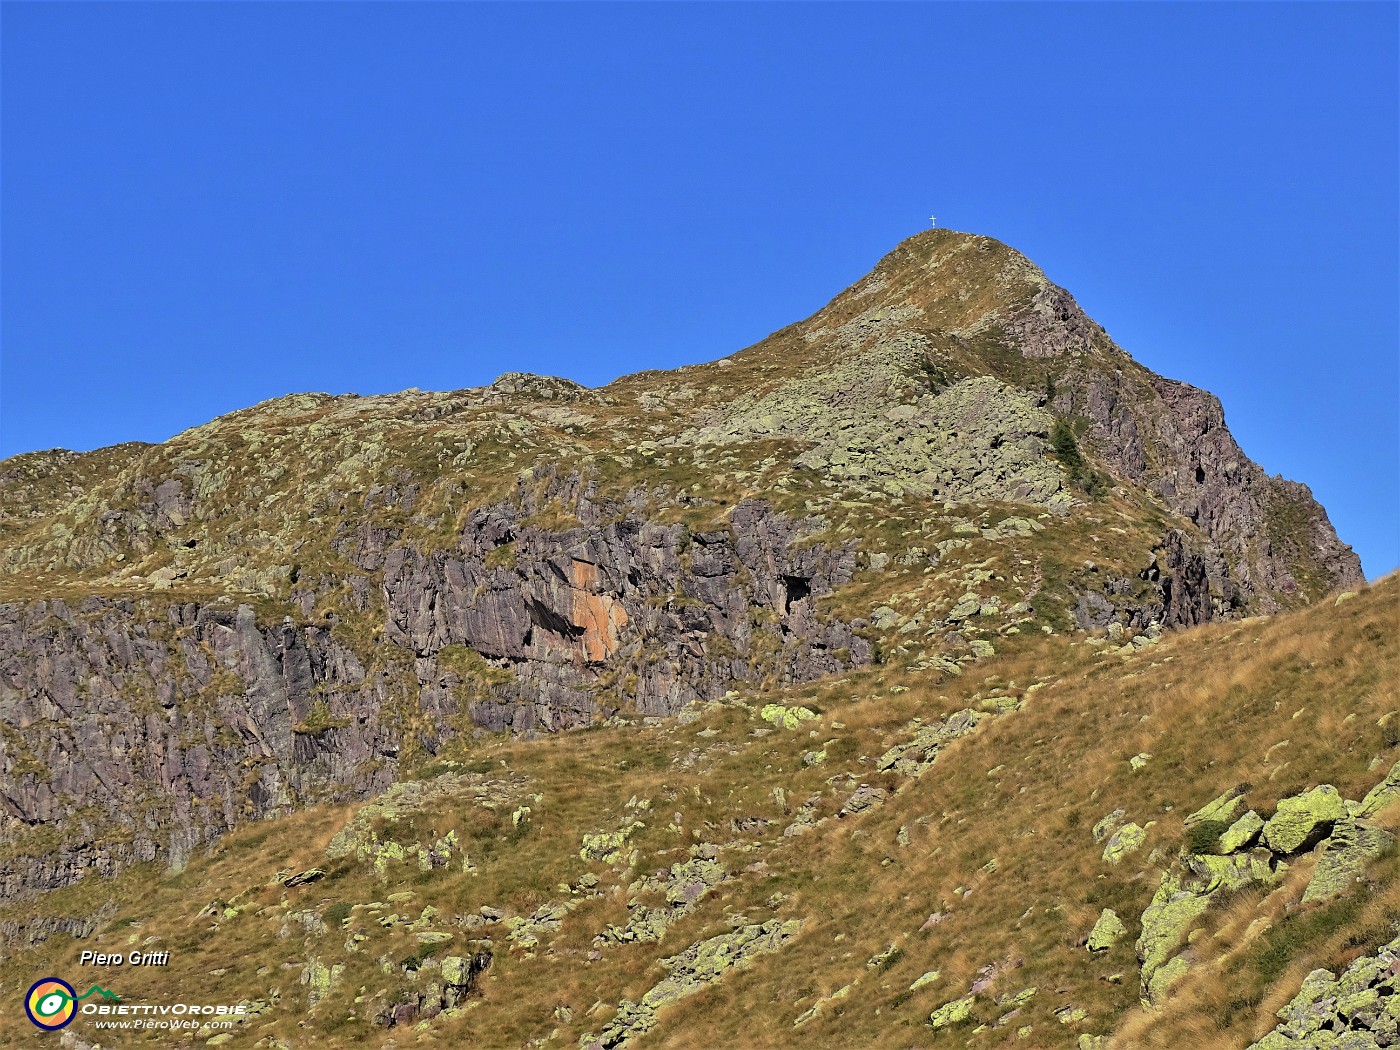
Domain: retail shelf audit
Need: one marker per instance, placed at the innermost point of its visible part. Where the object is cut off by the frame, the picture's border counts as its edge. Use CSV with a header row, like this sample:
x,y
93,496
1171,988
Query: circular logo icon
x,y
50,1003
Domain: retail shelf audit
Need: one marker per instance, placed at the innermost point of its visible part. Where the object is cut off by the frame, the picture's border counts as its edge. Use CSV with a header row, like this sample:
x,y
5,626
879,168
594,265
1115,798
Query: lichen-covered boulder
x,y
682,885
863,798
1215,873
1344,857
1221,809
690,971
1311,1006
1380,796
1106,825
786,717
822,1003
1173,909
1011,1000
997,705
968,605
956,1012
1106,932
1303,820
459,976
1185,893
643,924
526,930
361,836
689,880
1127,839
916,755
606,846
319,979
1276,1040
1241,833
1164,977
1360,1010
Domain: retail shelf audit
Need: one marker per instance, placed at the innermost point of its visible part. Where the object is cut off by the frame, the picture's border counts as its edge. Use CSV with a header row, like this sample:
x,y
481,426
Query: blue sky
x,y
207,205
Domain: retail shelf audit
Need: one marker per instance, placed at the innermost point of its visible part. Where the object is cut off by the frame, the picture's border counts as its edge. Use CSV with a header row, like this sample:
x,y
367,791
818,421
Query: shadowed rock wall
x,y
137,730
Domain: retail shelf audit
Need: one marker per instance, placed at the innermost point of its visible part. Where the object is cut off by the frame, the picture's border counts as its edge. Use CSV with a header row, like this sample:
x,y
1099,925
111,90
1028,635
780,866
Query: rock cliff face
x,y
1274,535
307,599
169,722
681,615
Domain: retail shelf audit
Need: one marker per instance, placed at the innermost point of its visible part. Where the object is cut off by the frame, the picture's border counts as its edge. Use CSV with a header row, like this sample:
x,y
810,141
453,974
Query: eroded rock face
x,y
142,730
1186,583
18,936
1152,432
1171,438
673,609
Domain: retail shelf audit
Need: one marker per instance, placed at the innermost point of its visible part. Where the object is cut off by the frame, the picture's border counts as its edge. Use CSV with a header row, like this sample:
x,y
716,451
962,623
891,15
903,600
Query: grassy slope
x,y
999,841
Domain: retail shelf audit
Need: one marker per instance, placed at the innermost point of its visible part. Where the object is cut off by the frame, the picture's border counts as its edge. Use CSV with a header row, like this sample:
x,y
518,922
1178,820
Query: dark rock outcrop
x,y
141,730
1171,438
1185,584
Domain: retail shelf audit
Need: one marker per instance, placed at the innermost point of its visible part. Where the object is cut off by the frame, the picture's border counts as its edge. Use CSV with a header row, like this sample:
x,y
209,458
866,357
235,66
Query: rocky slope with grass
x,y
321,599
1073,843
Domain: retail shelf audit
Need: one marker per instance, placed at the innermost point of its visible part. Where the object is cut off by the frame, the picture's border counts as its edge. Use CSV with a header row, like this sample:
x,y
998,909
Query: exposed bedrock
x,y
136,730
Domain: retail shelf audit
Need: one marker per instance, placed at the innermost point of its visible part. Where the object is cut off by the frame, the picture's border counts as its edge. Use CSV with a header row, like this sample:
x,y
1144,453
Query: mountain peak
x,y
954,371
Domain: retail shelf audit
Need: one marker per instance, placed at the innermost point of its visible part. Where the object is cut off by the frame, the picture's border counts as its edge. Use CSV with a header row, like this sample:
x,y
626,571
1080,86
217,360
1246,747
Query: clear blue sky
x,y
206,205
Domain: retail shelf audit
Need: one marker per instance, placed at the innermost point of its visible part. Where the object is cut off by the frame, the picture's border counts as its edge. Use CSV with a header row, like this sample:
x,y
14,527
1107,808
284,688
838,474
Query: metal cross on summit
x,y
933,220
